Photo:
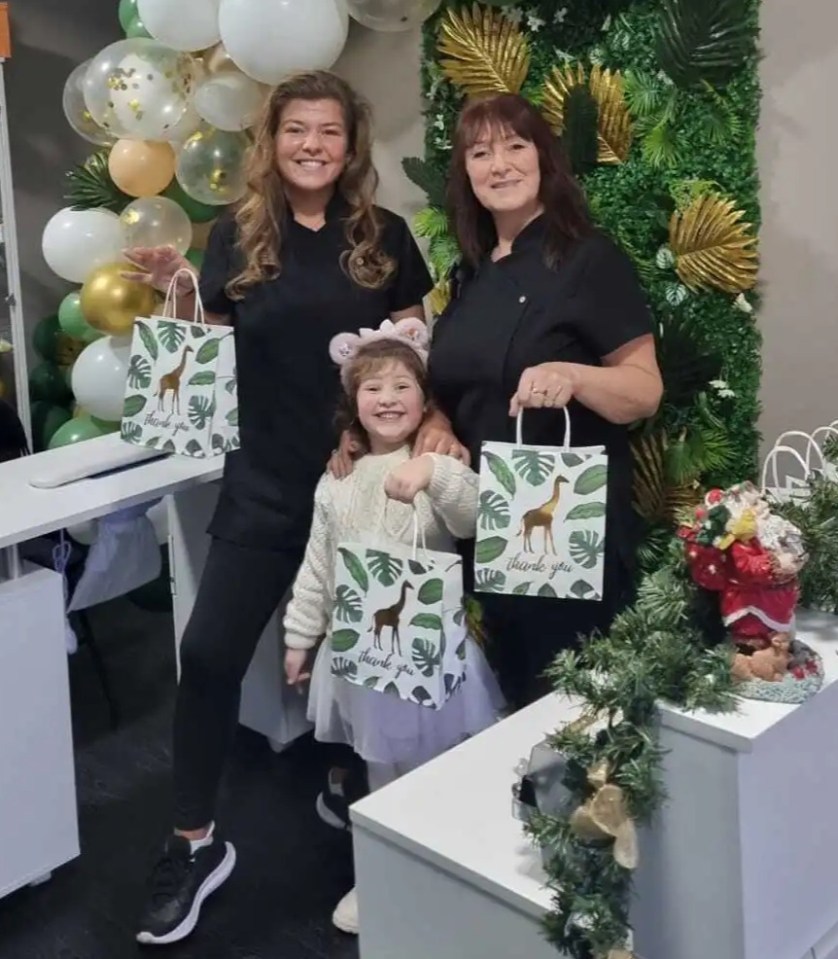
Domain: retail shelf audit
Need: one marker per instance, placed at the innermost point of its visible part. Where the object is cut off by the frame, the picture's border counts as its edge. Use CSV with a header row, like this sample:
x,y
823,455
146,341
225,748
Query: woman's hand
x,y
409,478
546,386
436,436
295,671
157,265
342,460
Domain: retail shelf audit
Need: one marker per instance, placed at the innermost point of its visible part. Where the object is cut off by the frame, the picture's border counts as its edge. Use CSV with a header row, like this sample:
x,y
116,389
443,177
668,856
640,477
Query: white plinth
x,y
742,863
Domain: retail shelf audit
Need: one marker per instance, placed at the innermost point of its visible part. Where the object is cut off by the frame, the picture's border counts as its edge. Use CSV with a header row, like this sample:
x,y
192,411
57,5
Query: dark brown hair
x,y
260,213
367,362
565,209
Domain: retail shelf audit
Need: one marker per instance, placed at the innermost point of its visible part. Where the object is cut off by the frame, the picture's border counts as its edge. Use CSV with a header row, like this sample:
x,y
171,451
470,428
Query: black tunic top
x,y
518,312
288,386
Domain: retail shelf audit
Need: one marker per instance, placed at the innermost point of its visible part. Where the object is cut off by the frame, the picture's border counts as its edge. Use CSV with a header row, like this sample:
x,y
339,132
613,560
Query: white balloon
x,y
267,41
229,101
139,88
185,25
99,376
391,15
76,242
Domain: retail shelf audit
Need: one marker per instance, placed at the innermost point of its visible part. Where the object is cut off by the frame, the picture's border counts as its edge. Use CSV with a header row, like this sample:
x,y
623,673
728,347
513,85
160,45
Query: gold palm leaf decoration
x,y
712,245
614,129
656,498
483,52
439,297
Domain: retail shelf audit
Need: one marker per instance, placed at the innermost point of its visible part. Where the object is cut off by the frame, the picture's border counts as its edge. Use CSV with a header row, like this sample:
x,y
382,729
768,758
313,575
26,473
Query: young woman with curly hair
x,y
304,256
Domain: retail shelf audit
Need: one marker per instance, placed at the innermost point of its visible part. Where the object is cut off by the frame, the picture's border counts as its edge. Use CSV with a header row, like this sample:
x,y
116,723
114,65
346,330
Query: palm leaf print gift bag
x,y
541,519
399,621
181,387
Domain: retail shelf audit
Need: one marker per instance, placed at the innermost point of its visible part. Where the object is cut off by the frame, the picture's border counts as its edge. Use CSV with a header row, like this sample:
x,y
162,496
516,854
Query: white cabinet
x,y
38,828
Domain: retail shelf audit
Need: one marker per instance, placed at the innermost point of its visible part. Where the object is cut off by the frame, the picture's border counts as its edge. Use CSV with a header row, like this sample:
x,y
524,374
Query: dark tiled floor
x,y
291,868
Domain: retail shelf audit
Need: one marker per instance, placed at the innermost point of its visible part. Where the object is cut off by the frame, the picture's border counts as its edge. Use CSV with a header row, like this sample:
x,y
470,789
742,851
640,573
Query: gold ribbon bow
x,y
604,816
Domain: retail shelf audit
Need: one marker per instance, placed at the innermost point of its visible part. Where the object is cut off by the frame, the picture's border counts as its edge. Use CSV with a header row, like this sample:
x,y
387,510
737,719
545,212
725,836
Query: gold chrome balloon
x,y
110,303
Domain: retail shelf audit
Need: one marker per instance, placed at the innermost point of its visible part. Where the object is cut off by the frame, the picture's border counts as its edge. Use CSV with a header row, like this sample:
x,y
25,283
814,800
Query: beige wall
x,y
797,153
798,162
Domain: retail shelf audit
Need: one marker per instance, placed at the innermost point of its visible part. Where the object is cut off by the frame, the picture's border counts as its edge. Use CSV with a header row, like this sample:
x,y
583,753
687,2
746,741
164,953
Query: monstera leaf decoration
x,y
483,51
713,248
703,41
614,129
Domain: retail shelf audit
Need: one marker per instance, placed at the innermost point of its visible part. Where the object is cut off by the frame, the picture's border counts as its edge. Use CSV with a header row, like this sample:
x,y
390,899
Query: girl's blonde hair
x,y
370,360
261,213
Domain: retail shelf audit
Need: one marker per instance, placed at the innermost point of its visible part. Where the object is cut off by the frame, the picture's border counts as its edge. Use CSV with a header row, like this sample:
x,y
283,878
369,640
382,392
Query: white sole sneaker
x,y
216,878
345,916
328,816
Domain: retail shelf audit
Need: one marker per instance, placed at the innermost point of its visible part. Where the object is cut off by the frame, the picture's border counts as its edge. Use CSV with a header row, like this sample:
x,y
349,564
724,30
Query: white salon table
x,y
37,783
741,863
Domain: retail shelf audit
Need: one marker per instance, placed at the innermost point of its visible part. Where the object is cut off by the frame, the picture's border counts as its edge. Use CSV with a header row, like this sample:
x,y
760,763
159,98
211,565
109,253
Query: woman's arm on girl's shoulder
x,y
309,611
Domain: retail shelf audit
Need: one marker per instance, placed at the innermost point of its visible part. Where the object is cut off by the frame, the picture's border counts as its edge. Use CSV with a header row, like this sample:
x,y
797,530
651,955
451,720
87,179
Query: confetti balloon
x,y
76,112
211,166
391,15
156,221
139,88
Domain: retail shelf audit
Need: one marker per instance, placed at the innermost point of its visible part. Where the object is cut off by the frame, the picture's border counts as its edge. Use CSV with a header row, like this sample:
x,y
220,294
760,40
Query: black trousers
x,y
240,589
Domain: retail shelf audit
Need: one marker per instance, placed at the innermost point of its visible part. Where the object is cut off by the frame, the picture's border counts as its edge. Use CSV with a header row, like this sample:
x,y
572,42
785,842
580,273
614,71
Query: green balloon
x,y
47,382
76,430
136,28
195,257
127,13
72,321
45,337
196,211
47,419
104,425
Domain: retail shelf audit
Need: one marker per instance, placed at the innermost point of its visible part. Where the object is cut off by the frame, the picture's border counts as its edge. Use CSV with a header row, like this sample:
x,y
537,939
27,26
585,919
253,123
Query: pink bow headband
x,y
410,332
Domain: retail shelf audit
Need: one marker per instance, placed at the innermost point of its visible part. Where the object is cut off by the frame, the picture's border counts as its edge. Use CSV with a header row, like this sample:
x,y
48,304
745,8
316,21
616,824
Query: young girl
x,y
383,374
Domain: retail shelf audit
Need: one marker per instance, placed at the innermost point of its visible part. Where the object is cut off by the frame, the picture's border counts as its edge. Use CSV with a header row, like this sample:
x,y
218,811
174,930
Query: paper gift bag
x,y
541,519
181,388
399,622
793,459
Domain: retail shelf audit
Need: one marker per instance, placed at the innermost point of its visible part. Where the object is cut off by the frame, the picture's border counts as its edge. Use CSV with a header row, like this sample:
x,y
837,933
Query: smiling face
x,y
504,173
312,145
390,406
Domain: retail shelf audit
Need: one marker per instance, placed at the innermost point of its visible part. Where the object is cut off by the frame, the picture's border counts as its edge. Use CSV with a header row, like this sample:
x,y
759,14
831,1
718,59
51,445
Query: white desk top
x,y
456,811
27,512
740,730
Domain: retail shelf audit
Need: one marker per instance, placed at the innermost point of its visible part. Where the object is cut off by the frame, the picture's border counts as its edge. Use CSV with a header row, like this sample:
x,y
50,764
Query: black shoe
x,y
179,884
343,788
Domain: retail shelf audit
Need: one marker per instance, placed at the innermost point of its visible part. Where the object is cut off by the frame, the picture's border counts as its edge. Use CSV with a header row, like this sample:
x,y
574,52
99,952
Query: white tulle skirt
x,y
385,729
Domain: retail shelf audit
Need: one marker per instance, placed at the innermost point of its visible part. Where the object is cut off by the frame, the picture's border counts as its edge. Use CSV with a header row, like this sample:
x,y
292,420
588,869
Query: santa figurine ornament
x,y
736,546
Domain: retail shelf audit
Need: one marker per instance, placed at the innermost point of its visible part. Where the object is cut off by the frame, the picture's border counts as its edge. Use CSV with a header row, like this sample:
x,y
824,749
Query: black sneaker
x,y
343,788
179,884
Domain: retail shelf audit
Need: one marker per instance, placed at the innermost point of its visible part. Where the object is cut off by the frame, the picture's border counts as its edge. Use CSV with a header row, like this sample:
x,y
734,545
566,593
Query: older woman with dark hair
x,y
546,313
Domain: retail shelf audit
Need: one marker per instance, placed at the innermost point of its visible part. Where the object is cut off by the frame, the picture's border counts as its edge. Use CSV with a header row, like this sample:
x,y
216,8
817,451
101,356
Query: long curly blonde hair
x,y
261,213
